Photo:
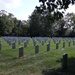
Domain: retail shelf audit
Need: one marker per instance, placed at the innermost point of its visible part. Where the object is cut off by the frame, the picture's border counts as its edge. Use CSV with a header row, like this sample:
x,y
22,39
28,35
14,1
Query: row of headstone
x,y
36,46
56,39
41,40
69,44
21,50
64,60
13,40
14,44
57,45
9,40
48,45
59,41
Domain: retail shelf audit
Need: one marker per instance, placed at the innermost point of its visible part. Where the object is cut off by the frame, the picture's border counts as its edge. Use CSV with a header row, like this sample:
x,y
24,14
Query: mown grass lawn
x,y
34,64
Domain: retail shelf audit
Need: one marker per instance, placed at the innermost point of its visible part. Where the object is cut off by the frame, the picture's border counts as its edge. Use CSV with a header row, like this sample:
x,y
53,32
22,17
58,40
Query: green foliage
x,y
51,9
40,24
34,22
61,30
54,6
9,25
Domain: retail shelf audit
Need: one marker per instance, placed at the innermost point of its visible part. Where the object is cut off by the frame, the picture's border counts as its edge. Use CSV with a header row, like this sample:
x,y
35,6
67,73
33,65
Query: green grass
x,y
31,63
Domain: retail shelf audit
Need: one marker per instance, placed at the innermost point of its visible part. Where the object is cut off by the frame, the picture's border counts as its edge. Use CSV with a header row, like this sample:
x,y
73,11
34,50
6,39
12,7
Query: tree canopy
x,y
38,24
55,7
10,25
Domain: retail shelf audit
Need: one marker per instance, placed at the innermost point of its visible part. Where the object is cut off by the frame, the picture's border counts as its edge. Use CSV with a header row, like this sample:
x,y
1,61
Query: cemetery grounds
x,y
43,62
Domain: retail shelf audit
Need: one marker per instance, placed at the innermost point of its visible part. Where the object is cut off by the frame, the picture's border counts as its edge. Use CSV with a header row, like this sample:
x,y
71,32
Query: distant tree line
x,y
37,25
11,26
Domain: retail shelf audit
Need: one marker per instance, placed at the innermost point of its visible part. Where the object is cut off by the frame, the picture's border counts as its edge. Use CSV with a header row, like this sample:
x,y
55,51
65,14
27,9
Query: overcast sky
x,y
23,8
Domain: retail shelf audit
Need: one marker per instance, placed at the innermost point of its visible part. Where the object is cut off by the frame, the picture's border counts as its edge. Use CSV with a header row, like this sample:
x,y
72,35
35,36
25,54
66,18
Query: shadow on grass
x,y
59,71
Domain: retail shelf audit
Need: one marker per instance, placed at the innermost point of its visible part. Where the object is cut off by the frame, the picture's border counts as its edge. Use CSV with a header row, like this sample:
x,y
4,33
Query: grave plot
x,y
13,43
35,57
44,44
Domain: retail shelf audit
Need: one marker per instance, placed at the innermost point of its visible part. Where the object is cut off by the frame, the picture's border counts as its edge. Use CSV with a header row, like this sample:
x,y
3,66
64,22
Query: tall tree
x,y
39,24
6,24
34,21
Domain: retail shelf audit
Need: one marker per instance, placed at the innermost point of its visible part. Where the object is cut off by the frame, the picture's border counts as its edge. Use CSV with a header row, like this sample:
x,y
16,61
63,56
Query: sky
x,y
23,8
19,8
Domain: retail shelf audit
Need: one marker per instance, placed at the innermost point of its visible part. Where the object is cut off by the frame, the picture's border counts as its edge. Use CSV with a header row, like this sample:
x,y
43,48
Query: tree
x,y
60,27
25,30
71,24
34,21
54,6
66,25
6,24
39,25
54,9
